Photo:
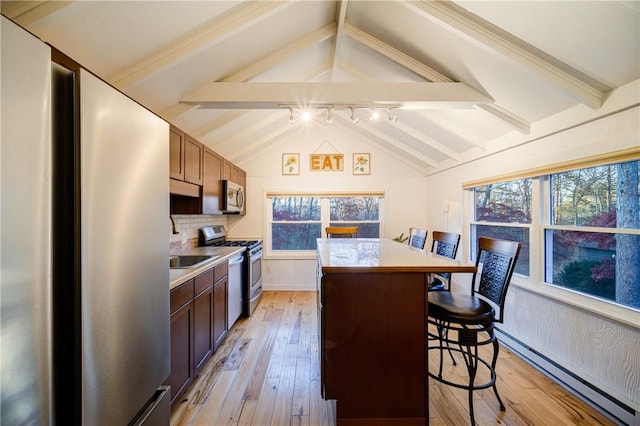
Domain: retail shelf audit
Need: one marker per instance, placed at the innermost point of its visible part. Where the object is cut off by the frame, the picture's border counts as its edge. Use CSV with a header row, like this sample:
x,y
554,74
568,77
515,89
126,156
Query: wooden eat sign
x,y
326,162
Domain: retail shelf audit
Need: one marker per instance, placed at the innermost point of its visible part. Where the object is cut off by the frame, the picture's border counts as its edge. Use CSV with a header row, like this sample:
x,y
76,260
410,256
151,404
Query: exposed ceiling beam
x,y
519,124
261,95
234,115
260,144
219,122
480,32
27,12
427,140
394,54
176,110
291,49
372,131
217,32
454,129
429,73
471,139
341,16
263,64
256,127
390,146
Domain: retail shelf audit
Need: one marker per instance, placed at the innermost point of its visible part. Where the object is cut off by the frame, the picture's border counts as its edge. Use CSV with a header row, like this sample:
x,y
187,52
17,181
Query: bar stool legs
x,y
467,345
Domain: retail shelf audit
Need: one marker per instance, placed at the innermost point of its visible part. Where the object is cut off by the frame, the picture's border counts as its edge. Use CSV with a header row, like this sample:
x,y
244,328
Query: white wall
x,y
600,346
404,187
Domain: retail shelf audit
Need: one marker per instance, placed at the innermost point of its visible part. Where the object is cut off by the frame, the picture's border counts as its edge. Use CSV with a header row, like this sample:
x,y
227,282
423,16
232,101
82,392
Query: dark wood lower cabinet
x,y
198,326
203,328
182,372
220,307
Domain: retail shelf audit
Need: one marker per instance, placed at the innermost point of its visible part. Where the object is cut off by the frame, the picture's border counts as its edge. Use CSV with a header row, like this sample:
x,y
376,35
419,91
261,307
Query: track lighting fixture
x,y
392,117
307,112
354,118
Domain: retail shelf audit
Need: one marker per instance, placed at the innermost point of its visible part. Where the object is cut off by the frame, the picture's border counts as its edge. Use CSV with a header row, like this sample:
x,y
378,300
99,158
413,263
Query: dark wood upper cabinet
x,y
196,174
233,173
193,161
176,153
212,183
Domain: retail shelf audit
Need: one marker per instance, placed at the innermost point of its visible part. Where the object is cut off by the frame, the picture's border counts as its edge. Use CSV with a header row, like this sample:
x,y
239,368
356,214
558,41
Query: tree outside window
x,y
501,210
296,222
589,247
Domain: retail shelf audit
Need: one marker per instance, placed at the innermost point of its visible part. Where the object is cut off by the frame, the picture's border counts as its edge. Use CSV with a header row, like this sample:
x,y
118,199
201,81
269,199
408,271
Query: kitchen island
x,y
372,304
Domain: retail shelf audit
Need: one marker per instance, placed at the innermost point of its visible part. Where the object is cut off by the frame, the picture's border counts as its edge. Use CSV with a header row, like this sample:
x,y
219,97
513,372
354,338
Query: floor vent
x,y
617,411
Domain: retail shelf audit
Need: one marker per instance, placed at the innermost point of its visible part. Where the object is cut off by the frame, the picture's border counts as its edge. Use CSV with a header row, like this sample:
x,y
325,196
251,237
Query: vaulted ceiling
x,y
457,74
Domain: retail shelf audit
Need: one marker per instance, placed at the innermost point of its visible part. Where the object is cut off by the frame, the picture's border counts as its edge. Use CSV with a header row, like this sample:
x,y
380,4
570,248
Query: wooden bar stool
x,y
342,231
444,244
417,238
463,322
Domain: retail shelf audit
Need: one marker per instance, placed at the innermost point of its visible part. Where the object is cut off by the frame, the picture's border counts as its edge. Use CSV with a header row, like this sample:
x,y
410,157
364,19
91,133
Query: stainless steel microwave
x,y
233,197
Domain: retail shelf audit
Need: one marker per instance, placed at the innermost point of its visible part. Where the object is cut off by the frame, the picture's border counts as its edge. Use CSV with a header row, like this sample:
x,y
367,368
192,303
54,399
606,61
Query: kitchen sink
x,y
188,261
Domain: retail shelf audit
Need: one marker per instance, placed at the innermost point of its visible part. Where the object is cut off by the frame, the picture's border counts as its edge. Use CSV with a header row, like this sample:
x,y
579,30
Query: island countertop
x,y
359,255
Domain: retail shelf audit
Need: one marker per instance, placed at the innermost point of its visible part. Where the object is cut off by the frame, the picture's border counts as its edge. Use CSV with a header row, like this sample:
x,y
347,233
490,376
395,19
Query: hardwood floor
x,y
266,373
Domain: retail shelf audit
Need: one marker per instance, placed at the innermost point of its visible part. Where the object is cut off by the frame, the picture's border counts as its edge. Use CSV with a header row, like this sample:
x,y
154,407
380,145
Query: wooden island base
x,y
372,322
373,347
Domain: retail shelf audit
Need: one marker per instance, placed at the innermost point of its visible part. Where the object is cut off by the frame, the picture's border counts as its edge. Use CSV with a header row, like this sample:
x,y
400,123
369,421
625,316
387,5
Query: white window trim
x,y
268,253
540,218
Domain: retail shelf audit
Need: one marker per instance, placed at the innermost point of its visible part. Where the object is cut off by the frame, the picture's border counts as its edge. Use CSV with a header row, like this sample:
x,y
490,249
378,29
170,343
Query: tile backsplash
x,y
187,226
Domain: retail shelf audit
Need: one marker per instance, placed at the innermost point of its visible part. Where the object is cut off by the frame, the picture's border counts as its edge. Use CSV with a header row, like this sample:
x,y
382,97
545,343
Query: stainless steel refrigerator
x,y
84,250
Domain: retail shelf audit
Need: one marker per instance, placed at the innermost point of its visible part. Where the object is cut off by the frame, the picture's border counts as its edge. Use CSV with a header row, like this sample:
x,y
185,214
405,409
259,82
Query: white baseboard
x,y
288,287
615,410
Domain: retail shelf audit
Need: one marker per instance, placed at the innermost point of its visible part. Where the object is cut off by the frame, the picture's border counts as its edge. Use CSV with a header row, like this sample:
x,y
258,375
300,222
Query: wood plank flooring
x,y
266,372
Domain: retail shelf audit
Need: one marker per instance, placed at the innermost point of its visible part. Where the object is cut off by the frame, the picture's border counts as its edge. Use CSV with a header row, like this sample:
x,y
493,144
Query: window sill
x,y
626,316
290,255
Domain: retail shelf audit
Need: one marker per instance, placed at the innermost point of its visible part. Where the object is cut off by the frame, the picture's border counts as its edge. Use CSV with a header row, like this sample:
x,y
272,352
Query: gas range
x,y
215,236
249,244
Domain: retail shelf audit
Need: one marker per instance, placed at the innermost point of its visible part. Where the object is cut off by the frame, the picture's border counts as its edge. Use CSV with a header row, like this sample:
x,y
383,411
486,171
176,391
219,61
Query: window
x,y
588,245
298,220
363,212
503,210
589,222
296,223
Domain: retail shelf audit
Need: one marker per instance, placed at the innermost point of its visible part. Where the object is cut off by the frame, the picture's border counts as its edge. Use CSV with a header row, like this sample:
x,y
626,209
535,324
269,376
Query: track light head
x,y
292,119
329,115
354,118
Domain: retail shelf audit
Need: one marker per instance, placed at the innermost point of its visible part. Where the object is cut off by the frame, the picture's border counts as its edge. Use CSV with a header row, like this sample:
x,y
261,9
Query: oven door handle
x,y
255,256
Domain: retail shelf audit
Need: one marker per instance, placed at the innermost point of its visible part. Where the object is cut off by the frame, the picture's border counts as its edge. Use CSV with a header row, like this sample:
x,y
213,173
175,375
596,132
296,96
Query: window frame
x,y
540,224
325,221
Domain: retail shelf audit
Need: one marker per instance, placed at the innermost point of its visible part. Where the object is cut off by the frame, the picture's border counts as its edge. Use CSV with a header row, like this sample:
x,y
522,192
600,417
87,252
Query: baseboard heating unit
x,y
617,411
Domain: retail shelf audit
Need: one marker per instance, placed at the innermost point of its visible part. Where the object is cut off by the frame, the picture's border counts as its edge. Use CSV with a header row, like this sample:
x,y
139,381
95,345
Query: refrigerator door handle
x,y
158,411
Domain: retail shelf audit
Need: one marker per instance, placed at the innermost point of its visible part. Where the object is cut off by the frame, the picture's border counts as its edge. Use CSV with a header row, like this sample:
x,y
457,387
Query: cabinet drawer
x,y
221,271
204,281
181,295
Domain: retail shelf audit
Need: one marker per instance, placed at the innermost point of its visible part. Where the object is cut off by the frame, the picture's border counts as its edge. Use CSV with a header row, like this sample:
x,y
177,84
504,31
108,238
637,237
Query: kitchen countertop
x,y
179,276
381,255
